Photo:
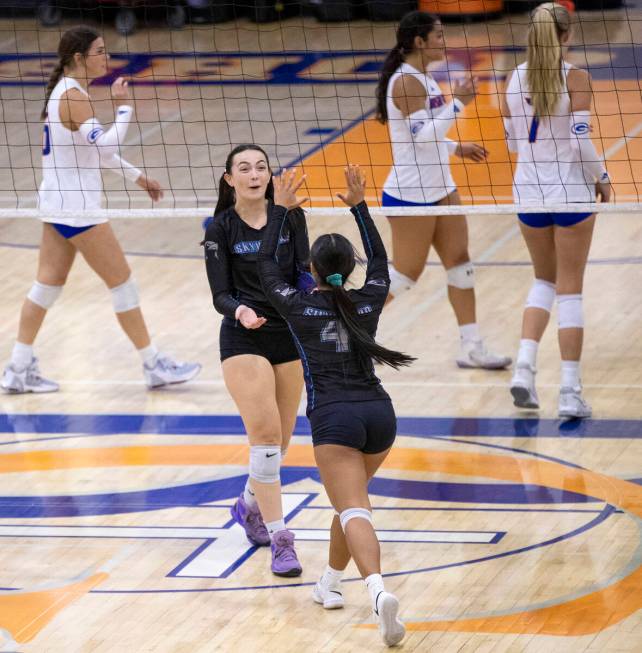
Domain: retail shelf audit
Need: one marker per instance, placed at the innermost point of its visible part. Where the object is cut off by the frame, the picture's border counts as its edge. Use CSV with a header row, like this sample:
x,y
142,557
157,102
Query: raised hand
x,y
285,188
465,89
120,89
356,186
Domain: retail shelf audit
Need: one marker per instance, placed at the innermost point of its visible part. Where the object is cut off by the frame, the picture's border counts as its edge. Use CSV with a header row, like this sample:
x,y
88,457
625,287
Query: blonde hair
x,y
544,75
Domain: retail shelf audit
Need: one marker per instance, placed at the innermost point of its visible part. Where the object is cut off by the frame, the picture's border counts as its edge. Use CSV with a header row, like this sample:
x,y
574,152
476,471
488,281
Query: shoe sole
x,y
11,391
237,519
392,630
189,378
521,397
290,573
471,366
570,415
333,604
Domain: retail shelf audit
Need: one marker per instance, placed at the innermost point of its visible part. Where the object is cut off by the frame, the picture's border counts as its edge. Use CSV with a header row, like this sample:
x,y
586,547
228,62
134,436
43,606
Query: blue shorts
x,y
389,200
69,232
369,426
540,220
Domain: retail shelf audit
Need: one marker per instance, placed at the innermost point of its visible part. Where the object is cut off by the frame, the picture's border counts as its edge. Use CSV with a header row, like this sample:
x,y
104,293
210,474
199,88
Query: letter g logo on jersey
x,y
416,126
580,128
94,134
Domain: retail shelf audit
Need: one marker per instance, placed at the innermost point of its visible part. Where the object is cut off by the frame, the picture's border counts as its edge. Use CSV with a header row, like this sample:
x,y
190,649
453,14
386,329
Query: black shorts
x,y
276,345
369,426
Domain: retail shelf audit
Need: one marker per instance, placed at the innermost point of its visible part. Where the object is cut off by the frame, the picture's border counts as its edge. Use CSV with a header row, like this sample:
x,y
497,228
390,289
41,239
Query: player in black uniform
x,y
260,362
352,418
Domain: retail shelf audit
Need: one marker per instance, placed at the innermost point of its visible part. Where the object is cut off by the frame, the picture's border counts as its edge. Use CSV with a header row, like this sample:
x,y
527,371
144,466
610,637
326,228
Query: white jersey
x,y
420,171
71,178
549,168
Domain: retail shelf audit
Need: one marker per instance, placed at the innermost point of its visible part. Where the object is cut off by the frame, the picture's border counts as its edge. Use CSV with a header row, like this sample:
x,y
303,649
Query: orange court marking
x,y
25,614
585,615
617,111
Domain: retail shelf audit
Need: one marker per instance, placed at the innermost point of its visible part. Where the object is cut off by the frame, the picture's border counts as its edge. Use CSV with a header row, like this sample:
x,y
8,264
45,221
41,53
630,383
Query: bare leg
x,y
103,253
251,382
55,260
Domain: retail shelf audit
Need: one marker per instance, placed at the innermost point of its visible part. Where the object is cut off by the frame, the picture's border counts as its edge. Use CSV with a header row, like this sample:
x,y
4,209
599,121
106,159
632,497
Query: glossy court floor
x,y
501,530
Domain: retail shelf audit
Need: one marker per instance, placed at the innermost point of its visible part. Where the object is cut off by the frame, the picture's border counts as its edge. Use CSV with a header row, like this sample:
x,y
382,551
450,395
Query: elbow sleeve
x,y
591,161
425,129
108,142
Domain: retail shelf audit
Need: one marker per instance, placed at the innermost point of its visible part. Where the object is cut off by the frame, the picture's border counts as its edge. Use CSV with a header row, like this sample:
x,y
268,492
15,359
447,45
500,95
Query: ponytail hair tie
x,y
335,279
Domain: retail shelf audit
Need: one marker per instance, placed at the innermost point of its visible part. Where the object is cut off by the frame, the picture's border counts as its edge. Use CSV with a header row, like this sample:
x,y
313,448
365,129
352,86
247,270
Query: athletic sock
x,y
21,355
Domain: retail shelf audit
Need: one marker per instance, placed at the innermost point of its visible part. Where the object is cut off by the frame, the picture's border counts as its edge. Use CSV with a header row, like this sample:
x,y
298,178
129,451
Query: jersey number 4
x,y
46,144
335,332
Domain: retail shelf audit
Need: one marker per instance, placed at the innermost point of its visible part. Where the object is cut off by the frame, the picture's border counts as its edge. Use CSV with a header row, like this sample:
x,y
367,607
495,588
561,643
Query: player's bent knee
x,y
125,297
399,283
44,295
354,513
462,276
265,463
541,295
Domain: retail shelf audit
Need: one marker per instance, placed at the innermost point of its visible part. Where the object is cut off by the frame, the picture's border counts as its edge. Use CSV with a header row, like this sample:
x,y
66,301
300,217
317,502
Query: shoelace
x,y
168,363
254,520
285,551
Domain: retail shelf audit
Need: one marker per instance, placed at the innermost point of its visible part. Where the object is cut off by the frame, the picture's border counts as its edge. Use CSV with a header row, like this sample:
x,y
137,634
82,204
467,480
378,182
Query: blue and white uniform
x,y
420,173
551,168
71,163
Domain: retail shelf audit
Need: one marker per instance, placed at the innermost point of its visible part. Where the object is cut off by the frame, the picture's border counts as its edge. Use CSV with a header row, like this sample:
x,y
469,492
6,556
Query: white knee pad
x,y
265,463
541,295
125,297
569,312
354,513
43,295
462,276
399,283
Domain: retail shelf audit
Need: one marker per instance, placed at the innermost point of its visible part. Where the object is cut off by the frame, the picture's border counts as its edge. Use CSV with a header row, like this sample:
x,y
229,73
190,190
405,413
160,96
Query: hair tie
x,y
335,279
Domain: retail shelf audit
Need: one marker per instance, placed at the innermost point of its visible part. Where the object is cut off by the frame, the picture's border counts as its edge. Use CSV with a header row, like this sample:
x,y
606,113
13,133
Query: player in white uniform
x,y
546,109
411,102
75,146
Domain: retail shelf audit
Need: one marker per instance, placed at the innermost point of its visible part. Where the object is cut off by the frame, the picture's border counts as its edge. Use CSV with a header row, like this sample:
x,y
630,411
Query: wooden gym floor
x,y
501,530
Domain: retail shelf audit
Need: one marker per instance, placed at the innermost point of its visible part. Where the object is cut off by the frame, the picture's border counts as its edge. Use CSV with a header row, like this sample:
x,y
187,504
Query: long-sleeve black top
x,y
333,370
231,248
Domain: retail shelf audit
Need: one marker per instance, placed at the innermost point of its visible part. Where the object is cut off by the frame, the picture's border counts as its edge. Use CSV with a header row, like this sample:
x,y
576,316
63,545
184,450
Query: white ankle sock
x,y
528,352
470,332
149,355
331,577
248,496
275,526
570,374
21,355
374,583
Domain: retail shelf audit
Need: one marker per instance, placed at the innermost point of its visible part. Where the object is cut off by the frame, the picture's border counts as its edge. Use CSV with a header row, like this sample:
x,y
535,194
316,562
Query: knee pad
x,y
399,283
265,463
43,295
125,297
462,276
541,295
569,312
354,513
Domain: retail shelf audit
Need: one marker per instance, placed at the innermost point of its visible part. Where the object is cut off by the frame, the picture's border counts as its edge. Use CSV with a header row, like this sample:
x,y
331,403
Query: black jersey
x,y
333,369
231,248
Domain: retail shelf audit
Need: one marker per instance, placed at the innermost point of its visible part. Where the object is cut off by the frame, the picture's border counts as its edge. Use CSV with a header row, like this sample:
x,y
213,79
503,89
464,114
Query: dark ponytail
x,y
416,23
332,255
226,194
76,39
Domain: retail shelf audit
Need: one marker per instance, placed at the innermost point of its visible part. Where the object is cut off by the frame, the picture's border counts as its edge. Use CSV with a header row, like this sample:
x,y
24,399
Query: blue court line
x,y
621,260
231,425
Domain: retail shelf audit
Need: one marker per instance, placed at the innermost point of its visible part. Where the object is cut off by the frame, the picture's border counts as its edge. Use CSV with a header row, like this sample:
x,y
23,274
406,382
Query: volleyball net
x,y
304,90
